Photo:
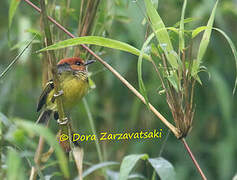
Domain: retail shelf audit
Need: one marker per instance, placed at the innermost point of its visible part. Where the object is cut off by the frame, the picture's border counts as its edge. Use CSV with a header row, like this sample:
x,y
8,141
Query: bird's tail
x,y
44,116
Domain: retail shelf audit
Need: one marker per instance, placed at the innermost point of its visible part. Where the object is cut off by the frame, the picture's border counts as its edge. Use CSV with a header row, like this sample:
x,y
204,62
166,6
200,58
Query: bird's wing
x,y
43,97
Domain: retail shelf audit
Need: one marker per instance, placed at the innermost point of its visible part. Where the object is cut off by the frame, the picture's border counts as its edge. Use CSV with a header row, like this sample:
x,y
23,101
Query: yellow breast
x,y
74,87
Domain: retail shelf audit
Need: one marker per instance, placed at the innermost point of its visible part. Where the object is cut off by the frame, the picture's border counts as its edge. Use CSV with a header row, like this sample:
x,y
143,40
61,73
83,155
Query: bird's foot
x,y
60,93
63,122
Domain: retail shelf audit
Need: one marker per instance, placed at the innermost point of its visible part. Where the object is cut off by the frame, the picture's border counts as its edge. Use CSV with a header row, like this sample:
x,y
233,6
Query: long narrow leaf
x,y
139,69
198,30
12,10
92,125
15,169
139,64
187,20
181,28
113,175
50,138
162,36
233,49
15,59
206,36
163,168
95,40
98,166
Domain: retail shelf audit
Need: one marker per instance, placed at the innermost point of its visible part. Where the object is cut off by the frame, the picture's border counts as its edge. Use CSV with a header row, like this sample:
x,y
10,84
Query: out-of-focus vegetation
x,y
112,106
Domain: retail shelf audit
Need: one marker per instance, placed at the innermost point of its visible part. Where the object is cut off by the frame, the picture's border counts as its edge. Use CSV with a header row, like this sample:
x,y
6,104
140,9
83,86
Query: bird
x,y
73,79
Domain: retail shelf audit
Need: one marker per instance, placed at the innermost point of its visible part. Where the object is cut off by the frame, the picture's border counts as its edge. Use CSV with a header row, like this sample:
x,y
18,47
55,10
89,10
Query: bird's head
x,y
73,64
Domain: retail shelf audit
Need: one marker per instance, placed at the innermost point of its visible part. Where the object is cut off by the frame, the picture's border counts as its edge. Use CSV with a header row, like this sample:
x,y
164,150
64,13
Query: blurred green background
x,y
114,108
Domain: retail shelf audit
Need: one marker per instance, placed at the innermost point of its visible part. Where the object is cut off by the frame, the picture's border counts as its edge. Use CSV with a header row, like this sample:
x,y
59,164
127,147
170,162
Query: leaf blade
x,y
163,168
95,40
206,36
128,163
139,70
98,166
12,10
181,28
15,168
162,36
233,49
50,138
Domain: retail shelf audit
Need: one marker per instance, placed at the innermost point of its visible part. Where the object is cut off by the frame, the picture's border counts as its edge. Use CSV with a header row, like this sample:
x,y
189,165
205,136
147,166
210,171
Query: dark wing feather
x,y
43,97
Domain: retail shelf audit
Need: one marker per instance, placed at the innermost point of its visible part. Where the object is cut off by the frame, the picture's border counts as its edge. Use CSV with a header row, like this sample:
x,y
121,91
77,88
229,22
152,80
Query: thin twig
x,y
37,156
193,159
38,153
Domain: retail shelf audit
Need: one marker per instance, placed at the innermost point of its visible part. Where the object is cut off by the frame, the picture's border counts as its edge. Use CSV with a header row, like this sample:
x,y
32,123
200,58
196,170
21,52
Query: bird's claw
x,y
60,93
63,122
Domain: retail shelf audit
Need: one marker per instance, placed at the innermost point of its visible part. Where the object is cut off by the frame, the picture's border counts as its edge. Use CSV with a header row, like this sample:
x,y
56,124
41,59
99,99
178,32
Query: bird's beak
x,y
89,62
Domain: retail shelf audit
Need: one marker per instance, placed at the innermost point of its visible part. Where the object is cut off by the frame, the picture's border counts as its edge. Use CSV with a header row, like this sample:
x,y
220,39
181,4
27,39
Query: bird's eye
x,y
78,63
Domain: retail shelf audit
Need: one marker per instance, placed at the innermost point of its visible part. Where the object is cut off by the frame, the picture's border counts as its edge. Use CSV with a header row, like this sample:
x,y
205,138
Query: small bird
x,y
73,78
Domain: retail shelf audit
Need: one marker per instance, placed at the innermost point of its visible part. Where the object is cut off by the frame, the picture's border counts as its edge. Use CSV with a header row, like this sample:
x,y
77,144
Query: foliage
x,y
130,26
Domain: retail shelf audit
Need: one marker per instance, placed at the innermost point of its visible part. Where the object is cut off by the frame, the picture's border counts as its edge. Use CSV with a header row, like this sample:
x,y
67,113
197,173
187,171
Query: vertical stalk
x,y
53,68
1,148
91,121
38,153
52,64
52,60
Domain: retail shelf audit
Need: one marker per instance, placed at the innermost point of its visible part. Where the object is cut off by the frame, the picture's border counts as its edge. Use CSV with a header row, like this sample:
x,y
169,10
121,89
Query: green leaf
x,y
122,19
113,175
155,3
92,84
12,10
15,169
50,139
195,70
162,36
198,30
96,40
181,28
139,69
206,36
232,46
35,33
173,79
98,166
163,168
92,125
128,163
139,63
187,20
